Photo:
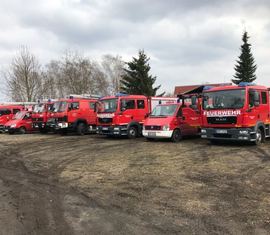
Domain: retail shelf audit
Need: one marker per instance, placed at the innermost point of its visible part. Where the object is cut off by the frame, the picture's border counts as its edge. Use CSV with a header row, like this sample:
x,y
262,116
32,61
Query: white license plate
x,y
105,128
152,134
221,131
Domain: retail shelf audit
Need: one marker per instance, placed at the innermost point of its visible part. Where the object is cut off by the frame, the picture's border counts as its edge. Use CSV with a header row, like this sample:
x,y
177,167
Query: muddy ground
x,y
52,184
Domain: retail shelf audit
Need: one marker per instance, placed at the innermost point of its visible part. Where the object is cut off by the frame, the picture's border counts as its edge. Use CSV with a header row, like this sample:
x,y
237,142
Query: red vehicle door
x,y
141,109
128,109
192,118
74,111
182,122
27,121
92,115
255,107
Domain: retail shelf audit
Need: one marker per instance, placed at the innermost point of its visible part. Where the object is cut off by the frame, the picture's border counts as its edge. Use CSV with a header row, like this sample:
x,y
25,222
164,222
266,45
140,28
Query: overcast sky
x,y
188,41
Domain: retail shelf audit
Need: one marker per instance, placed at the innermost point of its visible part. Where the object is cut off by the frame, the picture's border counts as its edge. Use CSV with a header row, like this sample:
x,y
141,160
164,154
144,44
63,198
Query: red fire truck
x,y
173,121
124,115
21,123
7,112
236,113
41,114
74,114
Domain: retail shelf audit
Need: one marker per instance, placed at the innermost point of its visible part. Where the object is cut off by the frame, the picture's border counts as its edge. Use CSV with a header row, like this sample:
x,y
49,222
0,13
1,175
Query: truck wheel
x,y
11,132
81,129
176,136
22,130
132,132
259,137
43,130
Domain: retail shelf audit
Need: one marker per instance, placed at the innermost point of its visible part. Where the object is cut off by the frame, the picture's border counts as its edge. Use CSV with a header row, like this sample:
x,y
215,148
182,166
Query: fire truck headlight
x,y
243,132
166,128
203,131
13,126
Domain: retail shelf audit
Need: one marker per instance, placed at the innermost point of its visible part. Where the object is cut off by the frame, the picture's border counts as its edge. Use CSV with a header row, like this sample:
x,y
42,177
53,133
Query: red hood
x,y
14,121
158,121
3,120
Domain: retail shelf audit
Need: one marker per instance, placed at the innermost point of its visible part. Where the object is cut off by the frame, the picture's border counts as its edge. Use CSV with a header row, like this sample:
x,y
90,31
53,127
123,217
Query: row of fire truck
x,y
216,113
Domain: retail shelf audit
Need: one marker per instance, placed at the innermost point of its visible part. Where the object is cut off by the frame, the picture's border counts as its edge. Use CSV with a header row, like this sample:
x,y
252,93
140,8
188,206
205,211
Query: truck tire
x,y
81,128
132,132
176,136
259,137
11,132
22,130
43,130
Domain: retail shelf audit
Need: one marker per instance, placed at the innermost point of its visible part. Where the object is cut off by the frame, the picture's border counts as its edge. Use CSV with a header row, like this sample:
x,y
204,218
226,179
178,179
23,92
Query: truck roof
x,y
124,96
75,99
235,87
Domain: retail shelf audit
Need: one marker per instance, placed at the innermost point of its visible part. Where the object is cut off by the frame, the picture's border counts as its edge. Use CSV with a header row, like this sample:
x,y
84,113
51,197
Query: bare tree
x,y
114,69
24,79
81,75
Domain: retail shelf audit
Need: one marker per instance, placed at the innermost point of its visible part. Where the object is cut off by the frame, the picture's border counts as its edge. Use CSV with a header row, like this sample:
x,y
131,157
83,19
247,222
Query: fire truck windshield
x,y
60,106
107,106
226,99
39,108
164,110
19,116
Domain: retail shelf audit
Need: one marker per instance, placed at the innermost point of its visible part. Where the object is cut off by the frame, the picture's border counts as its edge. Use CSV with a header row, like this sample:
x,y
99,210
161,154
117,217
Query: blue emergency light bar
x,y
243,84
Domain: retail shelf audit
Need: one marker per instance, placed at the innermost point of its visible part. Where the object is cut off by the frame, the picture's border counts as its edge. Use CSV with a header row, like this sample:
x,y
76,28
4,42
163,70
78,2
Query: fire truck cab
x,y
21,123
236,113
175,120
40,116
74,114
124,115
6,114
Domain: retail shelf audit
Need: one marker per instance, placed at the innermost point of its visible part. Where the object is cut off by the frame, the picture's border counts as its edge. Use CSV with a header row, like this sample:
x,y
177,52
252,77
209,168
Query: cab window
x,y
74,105
254,98
27,116
140,104
16,111
264,97
127,104
92,105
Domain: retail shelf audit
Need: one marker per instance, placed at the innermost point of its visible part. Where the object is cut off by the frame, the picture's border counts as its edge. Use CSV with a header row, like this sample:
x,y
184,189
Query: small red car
x,y
172,121
20,123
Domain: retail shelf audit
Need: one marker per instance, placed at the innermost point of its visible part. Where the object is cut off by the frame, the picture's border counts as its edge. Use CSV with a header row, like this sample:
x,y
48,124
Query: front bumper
x,y
39,125
240,134
112,130
62,125
10,129
157,134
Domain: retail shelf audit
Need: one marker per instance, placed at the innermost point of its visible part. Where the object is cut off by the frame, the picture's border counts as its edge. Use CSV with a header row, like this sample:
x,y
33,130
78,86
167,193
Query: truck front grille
x,y
105,120
154,128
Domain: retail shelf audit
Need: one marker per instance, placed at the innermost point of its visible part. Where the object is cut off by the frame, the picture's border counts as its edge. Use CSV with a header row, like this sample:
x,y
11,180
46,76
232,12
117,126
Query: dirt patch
x,y
51,184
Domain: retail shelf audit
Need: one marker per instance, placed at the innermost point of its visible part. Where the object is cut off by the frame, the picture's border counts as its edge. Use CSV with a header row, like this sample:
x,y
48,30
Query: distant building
x,y
181,90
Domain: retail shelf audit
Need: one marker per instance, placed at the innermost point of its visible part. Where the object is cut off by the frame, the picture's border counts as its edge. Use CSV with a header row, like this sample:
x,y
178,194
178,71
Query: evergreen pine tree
x,y
245,68
137,79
